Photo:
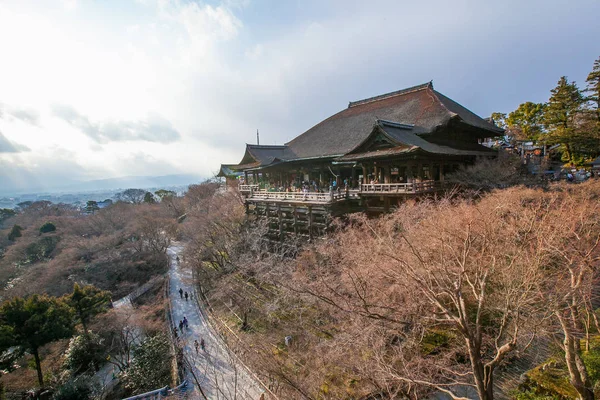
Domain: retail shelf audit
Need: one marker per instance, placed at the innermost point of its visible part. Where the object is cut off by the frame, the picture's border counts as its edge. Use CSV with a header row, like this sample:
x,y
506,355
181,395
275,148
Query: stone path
x,y
219,375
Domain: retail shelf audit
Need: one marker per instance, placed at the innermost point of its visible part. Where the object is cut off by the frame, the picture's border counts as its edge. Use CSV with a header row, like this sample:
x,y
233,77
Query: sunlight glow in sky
x,y
98,89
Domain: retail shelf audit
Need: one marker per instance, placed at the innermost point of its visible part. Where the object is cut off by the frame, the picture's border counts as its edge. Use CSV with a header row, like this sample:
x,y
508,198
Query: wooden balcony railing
x,y
248,188
299,196
414,187
328,197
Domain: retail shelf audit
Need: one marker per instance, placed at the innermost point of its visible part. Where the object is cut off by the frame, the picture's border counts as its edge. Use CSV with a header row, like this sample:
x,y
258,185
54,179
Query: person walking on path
x,y
181,326
181,293
186,296
196,345
175,332
202,344
185,322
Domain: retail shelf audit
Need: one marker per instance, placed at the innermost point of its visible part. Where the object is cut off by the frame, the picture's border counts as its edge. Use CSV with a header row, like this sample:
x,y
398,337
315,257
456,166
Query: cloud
x,y
28,115
152,129
6,146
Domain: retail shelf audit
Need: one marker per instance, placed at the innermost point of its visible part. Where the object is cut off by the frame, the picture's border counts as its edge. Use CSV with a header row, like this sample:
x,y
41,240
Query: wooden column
x,y
364,174
388,174
310,233
376,173
280,219
295,221
246,177
441,172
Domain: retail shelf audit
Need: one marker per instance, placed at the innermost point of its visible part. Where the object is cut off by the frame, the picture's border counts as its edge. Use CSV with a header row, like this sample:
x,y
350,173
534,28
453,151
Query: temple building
x,y
368,156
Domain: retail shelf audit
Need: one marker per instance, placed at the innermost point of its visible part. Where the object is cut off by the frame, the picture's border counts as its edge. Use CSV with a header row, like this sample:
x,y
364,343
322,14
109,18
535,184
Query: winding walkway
x,y
217,372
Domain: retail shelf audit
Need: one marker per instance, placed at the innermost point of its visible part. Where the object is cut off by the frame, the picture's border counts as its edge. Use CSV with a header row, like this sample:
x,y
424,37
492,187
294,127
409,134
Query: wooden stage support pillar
x,y
295,221
310,218
280,219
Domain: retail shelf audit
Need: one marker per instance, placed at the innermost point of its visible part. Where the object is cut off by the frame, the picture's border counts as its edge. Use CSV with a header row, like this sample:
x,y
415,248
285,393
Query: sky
x,y
93,89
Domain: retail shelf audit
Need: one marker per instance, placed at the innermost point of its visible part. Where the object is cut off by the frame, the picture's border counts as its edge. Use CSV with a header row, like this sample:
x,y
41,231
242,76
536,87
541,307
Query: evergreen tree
x,y
593,90
560,117
151,365
33,322
149,198
88,301
15,232
592,120
48,227
91,206
525,122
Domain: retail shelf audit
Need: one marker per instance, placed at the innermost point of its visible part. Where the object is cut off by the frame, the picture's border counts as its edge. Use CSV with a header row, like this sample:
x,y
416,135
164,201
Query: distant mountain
x,y
138,182
125,182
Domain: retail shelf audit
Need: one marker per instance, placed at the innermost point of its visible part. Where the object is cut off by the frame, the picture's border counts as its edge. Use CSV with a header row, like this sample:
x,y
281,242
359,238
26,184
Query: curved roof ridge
x,y
465,114
395,124
265,145
391,94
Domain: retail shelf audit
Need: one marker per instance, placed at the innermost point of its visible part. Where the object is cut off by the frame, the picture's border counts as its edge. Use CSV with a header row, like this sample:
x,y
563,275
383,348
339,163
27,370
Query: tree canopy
x,y
135,196
33,322
526,121
88,301
91,206
48,227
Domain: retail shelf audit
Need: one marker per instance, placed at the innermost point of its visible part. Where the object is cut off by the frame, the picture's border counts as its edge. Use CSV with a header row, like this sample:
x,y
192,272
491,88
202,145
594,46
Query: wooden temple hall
x,y
369,156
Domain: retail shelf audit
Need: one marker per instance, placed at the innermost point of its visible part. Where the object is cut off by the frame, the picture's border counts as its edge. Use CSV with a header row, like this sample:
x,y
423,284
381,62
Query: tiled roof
x,y
407,141
420,107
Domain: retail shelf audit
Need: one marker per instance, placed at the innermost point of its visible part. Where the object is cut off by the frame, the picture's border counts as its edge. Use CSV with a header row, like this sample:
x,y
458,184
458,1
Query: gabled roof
x,y
420,106
403,139
262,155
228,170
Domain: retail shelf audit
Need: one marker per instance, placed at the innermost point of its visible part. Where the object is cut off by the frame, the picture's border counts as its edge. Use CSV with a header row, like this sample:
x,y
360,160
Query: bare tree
x,y
570,239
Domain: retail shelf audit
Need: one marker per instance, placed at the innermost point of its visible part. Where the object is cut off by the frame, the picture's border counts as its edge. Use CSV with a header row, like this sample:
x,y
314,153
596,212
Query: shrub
x,y
76,389
41,249
151,366
47,227
15,232
84,353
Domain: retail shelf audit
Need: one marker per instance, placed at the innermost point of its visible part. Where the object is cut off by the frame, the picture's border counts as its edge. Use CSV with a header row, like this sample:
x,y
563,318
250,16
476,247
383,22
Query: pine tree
x,y
91,206
33,322
593,89
560,117
88,301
